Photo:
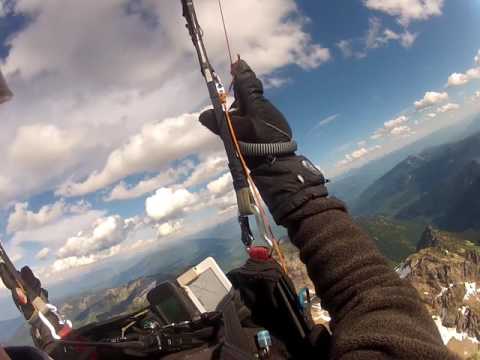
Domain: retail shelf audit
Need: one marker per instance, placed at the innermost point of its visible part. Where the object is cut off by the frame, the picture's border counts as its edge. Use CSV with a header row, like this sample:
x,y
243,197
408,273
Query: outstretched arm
x,y
374,313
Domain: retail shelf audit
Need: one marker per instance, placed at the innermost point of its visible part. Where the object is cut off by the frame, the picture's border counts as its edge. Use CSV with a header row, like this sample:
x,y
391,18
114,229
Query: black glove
x,y
41,333
255,119
285,181
21,300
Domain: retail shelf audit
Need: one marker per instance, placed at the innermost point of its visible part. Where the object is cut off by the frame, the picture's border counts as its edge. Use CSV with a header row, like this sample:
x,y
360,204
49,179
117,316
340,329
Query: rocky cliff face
x,y
446,271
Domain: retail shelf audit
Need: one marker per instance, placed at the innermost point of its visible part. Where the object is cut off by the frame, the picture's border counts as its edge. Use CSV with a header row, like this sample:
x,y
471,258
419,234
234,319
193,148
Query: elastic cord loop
x,y
273,149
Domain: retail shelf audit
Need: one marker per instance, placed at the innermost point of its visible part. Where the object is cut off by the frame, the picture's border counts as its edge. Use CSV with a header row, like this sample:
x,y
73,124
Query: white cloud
x,y
221,186
38,146
432,115
71,262
476,96
275,82
378,37
457,79
374,40
401,130
362,143
168,203
54,234
105,234
431,98
22,219
207,169
43,254
123,192
154,147
226,203
92,103
474,74
346,47
168,228
392,127
396,122
357,155
407,10
448,107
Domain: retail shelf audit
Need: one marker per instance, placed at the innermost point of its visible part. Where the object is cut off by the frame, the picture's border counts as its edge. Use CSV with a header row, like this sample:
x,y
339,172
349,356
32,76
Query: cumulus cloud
x,y
43,254
168,203
431,98
54,234
36,147
432,115
23,219
153,147
168,228
458,79
407,10
206,170
71,262
396,122
392,127
448,108
105,233
357,155
221,186
124,192
82,97
401,130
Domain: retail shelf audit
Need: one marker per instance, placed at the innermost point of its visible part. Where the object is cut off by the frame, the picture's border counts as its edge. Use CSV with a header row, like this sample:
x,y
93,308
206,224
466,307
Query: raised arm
x,y
375,314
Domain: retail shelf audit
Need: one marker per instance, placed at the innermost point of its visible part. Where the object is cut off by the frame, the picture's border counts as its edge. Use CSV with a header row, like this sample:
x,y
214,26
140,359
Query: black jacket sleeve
x,y
375,314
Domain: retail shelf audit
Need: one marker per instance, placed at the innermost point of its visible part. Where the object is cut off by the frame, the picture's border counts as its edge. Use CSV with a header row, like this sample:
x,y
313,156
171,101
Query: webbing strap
x,y
237,346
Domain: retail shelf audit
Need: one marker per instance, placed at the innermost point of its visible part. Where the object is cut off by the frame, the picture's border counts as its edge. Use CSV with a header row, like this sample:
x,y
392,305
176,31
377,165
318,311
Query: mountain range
x,y
440,185
352,184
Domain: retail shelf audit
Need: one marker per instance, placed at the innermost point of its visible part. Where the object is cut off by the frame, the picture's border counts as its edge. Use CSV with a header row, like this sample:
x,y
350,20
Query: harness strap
x,y
237,345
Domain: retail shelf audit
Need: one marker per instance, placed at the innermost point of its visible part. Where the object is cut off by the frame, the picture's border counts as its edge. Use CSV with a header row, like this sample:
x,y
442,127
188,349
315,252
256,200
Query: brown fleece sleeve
x,y
375,314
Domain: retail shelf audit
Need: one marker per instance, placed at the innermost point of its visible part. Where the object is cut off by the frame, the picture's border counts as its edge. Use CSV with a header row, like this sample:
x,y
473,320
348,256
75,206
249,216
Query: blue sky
x,y
103,156
367,92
